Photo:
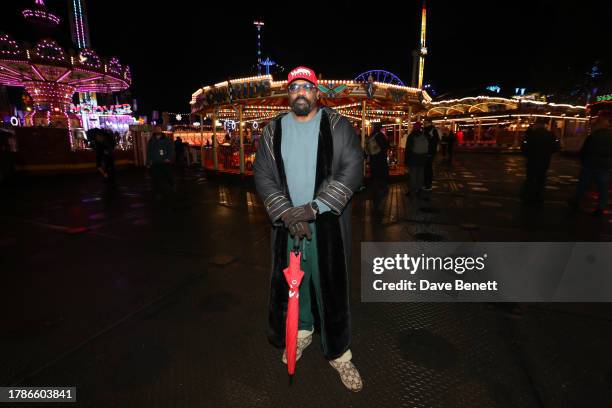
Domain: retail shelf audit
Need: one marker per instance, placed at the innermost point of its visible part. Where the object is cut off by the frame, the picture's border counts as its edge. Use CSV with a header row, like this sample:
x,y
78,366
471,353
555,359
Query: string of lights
x,y
505,101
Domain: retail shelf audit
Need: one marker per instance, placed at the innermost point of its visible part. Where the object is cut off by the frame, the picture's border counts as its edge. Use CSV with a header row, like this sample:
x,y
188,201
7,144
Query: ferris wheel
x,y
379,75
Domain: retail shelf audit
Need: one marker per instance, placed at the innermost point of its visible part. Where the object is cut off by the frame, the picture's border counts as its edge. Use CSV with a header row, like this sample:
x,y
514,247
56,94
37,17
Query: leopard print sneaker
x,y
348,374
302,343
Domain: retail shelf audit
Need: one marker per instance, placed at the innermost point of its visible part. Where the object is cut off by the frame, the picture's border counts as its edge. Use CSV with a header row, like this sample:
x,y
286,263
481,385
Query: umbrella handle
x,y
296,245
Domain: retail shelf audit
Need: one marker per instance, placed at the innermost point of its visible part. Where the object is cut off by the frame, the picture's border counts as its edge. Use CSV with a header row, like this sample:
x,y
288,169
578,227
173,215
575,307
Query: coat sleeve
x,y
270,191
348,178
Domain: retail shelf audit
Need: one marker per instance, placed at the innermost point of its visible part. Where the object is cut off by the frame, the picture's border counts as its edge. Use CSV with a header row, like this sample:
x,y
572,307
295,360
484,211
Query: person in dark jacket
x,y
104,147
379,167
160,152
415,158
444,143
596,158
179,152
433,138
450,147
308,165
538,145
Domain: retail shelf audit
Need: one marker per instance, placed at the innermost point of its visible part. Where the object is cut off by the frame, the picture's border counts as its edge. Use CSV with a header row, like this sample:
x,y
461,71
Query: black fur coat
x,y
339,174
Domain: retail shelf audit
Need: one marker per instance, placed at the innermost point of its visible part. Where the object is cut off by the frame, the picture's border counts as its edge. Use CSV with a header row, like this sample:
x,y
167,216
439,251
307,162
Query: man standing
x,y
415,158
160,151
377,147
308,165
596,157
539,145
433,138
447,141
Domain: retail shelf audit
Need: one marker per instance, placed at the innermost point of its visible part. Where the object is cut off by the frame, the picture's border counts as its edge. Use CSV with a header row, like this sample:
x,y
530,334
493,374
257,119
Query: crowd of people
x,y
162,154
539,144
421,149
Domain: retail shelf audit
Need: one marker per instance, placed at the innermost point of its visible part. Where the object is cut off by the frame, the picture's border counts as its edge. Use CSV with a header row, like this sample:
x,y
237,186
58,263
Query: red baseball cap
x,y
304,73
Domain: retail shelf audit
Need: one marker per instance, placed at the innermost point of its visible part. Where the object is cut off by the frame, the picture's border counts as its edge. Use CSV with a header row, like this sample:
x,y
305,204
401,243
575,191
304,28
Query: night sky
x,y
175,47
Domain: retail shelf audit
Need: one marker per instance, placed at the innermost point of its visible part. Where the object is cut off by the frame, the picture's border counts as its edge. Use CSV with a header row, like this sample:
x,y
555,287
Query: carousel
x,y
500,122
51,76
233,113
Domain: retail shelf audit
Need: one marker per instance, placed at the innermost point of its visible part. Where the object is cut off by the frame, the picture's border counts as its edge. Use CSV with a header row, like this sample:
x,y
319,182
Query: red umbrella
x,y
293,275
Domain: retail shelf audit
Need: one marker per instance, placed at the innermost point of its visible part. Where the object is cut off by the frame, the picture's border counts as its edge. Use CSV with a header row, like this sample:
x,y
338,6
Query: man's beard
x,y
301,109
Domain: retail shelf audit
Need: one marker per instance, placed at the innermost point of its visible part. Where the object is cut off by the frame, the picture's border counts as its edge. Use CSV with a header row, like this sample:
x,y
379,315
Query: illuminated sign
x,y
229,124
14,121
603,98
123,109
245,90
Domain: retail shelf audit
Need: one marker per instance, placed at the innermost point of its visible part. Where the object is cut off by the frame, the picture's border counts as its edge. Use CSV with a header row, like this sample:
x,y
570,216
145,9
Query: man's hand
x,y
300,230
296,214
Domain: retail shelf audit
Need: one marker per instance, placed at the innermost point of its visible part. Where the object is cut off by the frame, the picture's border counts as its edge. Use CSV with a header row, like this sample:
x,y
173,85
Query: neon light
x,y
506,100
49,50
80,81
37,72
423,50
41,14
259,25
520,115
80,20
76,23
11,71
8,46
60,79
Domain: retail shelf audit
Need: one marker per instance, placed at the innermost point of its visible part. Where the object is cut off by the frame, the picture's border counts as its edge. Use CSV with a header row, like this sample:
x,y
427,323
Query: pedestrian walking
x,y
104,147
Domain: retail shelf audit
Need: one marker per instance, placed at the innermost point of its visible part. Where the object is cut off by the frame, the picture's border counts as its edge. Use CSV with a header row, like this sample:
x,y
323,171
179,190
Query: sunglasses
x,y
308,87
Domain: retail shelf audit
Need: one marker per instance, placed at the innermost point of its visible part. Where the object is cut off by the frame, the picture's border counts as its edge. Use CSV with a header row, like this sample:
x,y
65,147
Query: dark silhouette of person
x,y
379,168
433,138
596,157
538,145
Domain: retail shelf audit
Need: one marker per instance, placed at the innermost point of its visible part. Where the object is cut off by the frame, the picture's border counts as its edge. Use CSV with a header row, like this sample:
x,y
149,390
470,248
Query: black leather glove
x,y
300,230
296,214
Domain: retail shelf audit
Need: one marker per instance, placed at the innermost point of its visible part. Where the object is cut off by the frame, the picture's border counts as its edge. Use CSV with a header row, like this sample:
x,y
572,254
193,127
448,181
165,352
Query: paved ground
x,y
144,305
